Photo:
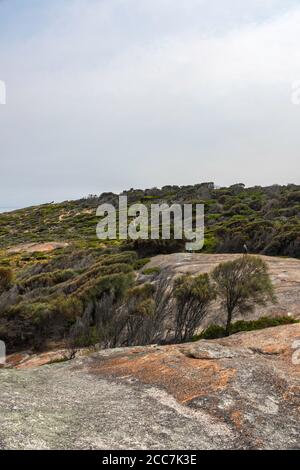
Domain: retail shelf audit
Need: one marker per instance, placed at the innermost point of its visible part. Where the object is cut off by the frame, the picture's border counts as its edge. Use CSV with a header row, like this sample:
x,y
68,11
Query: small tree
x,y
193,296
6,278
241,284
147,308
139,312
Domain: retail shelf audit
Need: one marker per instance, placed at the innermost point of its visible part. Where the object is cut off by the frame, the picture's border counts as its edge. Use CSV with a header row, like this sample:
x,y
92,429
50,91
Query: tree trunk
x,y
228,323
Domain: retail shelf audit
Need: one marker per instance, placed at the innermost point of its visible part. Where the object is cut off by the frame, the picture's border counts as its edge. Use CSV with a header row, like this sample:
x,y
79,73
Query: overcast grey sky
x,y
110,94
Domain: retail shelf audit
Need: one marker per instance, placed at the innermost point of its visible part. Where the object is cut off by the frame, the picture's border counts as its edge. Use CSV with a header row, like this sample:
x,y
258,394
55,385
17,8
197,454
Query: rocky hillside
x,y
62,293
266,218
242,392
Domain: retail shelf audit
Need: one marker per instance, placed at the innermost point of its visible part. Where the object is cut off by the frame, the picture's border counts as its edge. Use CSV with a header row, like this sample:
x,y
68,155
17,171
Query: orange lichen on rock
x,y
237,418
183,377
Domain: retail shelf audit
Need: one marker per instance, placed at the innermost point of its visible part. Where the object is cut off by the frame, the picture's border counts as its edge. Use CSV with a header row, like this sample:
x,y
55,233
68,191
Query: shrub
x,y
146,248
193,296
150,271
212,332
140,263
261,323
241,284
217,331
115,284
6,278
48,279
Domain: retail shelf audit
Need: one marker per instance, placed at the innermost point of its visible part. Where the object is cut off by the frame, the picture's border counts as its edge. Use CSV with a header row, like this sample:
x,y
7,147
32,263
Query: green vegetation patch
x,y
217,331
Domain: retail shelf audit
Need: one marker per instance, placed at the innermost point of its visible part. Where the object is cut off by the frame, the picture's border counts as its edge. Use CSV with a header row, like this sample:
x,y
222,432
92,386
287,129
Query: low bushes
x,y
49,300
151,271
217,331
193,296
6,278
48,279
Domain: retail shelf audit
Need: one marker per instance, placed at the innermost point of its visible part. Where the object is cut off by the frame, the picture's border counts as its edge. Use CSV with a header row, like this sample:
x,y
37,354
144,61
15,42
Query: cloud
x,y
119,93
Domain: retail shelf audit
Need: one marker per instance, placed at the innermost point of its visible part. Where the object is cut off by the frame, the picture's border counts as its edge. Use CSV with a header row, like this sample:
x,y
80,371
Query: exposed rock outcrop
x,y
238,392
36,247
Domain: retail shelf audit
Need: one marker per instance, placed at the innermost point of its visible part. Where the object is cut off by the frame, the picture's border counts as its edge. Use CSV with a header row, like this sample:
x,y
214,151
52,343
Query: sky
x,y
105,95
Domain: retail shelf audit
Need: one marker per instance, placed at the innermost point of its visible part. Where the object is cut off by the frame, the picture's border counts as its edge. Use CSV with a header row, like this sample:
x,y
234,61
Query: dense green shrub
x,y
48,279
146,248
6,278
193,296
140,263
212,332
151,271
217,331
241,284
